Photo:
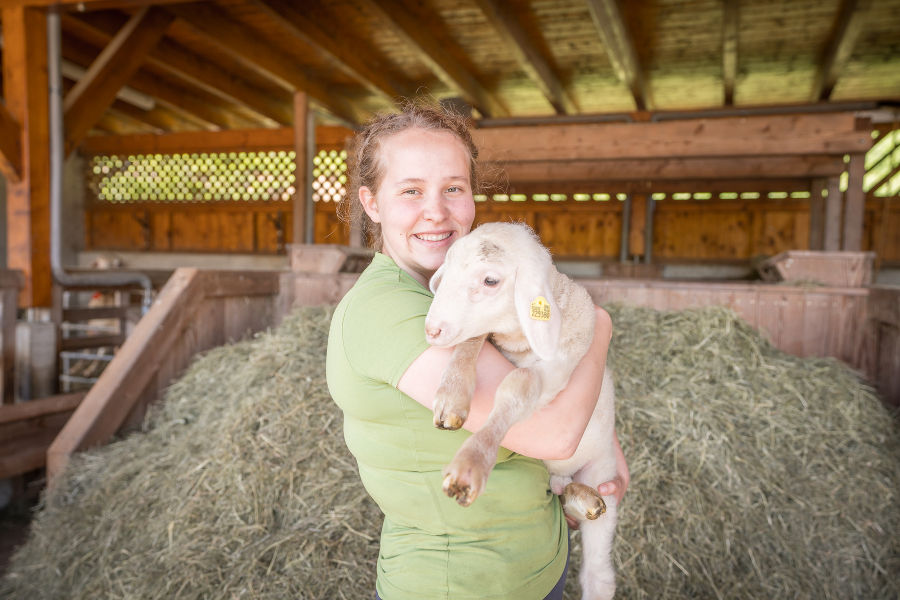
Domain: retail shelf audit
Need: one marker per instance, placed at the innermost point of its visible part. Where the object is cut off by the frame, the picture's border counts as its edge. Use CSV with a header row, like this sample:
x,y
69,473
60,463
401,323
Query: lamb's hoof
x,y
466,476
583,502
463,493
449,420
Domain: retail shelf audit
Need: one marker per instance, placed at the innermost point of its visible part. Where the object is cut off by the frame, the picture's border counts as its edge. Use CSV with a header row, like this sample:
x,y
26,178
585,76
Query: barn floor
x,y
15,518
13,532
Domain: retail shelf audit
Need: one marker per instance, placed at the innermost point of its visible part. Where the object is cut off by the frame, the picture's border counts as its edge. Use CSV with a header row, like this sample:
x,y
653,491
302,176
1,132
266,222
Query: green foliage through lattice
x,y
206,177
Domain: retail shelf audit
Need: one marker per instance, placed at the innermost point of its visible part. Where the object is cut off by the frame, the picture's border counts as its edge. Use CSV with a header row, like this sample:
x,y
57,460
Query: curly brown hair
x,y
364,157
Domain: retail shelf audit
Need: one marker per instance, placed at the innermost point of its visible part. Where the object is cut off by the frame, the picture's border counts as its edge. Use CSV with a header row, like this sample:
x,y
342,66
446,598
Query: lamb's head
x,y
496,279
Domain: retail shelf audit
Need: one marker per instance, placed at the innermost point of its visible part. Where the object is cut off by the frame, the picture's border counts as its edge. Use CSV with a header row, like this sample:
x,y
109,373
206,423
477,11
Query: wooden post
x,y
817,214
10,284
854,204
302,161
832,234
626,227
638,225
28,200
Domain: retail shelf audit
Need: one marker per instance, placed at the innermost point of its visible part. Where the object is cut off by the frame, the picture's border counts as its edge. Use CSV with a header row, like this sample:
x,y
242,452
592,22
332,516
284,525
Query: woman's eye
x,y
453,189
490,281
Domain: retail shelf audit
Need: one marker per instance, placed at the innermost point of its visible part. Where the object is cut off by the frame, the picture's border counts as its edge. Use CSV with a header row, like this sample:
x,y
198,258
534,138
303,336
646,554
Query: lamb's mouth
x,y
433,237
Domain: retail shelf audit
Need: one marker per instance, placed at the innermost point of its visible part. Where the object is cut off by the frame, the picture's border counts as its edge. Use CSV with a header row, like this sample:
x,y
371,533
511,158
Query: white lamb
x,y
500,281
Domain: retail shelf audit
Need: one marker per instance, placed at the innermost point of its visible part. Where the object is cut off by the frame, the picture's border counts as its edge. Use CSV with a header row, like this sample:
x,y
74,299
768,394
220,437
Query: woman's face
x,y
424,202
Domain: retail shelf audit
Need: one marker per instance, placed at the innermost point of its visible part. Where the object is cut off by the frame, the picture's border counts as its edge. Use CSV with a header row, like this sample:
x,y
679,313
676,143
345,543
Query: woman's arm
x,y
554,431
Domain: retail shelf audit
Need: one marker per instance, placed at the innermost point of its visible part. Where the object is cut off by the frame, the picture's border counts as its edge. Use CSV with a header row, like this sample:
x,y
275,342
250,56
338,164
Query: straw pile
x,y
754,474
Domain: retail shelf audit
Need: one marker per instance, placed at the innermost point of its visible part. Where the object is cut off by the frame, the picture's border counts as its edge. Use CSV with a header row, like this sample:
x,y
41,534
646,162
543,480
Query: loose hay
x,y
754,474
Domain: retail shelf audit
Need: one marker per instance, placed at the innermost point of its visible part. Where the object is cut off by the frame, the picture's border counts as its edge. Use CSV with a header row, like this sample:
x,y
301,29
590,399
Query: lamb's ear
x,y
435,280
538,313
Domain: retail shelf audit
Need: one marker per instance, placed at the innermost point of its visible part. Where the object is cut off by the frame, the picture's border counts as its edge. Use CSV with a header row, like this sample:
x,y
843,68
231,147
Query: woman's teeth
x,y
432,237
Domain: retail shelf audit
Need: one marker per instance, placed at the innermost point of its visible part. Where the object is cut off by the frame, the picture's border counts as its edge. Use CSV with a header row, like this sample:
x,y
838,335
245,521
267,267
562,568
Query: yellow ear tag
x,y
540,309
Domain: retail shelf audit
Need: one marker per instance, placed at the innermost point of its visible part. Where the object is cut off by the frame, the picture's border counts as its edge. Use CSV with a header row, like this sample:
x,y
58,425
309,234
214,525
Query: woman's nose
x,y
435,207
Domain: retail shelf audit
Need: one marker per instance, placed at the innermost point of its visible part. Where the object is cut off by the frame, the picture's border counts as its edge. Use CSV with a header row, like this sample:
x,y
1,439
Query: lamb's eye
x,y
490,281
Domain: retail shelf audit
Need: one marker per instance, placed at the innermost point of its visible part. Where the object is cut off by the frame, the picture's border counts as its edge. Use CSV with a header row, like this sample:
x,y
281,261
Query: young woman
x,y
412,180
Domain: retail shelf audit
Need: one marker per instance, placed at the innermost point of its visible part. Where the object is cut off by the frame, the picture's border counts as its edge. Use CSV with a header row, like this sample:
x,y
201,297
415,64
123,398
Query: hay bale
x,y
241,487
755,474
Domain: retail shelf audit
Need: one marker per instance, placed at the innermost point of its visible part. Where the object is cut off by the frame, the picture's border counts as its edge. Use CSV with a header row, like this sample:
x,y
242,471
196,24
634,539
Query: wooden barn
x,y
671,154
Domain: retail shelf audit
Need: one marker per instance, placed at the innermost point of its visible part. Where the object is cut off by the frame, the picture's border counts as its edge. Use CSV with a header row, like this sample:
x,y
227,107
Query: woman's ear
x,y
369,203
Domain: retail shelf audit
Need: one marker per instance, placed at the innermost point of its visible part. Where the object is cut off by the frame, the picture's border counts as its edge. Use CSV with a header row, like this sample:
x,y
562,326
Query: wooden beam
x,y
658,169
302,134
854,204
847,26
730,28
10,146
170,57
833,133
620,49
833,202
115,65
28,201
206,111
255,140
507,21
235,40
423,35
345,51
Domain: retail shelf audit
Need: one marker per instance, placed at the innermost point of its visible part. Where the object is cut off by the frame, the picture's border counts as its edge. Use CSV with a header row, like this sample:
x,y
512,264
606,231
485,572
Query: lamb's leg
x,y
597,575
454,394
516,398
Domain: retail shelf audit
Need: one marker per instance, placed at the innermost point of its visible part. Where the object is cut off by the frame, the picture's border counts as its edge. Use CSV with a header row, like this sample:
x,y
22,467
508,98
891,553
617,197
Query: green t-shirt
x,y
511,543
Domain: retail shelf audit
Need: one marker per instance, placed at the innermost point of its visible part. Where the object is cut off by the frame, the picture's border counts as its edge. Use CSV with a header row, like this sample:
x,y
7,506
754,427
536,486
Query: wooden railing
x,y
195,311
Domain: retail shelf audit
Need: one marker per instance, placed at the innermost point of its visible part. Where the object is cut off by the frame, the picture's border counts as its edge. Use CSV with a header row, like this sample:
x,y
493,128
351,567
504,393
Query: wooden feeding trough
x,y
838,269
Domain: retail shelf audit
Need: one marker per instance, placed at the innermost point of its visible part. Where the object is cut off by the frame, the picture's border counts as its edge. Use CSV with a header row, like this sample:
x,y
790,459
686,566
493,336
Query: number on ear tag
x,y
540,309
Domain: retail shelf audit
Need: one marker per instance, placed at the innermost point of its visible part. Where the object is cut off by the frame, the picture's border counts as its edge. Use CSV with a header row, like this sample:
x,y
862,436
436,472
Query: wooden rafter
x,y
171,57
431,48
159,118
620,49
346,52
10,146
508,24
115,65
845,31
234,40
730,21
208,112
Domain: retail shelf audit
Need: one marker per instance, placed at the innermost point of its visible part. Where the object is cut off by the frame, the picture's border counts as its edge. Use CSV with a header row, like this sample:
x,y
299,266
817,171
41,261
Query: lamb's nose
x,y
432,332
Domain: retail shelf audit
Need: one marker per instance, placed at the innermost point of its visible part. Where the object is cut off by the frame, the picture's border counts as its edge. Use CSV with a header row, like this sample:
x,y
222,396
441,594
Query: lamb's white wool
x,y
500,282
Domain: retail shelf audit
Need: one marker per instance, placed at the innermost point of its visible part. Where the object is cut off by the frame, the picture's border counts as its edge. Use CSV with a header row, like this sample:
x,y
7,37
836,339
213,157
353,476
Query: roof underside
x,y
232,64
